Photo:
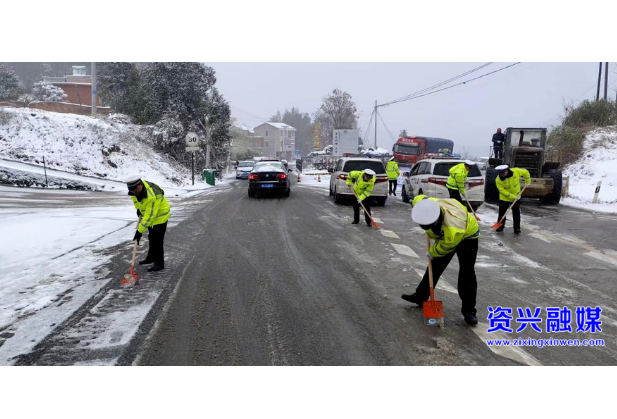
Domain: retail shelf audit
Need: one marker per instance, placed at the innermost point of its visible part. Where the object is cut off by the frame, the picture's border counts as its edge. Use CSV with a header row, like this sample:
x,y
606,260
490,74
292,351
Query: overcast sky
x,y
528,94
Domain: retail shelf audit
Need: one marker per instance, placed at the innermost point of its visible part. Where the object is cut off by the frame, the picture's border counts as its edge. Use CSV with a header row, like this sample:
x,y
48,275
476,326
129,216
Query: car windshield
x,y
375,165
271,166
443,169
246,164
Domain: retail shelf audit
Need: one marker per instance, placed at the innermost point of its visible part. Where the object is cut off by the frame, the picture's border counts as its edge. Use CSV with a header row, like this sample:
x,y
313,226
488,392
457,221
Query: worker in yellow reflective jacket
x,y
456,180
153,208
393,172
363,182
455,231
509,186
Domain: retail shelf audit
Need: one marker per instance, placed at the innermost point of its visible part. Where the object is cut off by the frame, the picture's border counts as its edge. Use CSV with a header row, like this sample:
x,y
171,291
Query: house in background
x,y
78,86
279,140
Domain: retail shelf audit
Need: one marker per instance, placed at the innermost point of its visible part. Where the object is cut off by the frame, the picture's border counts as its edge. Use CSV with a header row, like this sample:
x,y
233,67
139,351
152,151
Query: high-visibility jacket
x,y
362,188
458,225
392,170
458,174
510,187
154,207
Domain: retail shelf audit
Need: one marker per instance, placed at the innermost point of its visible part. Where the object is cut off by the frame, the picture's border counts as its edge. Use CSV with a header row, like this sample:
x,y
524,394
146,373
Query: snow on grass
x,y
597,163
311,179
101,147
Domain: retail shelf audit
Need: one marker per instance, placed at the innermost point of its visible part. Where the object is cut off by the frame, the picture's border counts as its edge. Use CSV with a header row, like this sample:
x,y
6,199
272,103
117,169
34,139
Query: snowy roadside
x,y
598,163
53,248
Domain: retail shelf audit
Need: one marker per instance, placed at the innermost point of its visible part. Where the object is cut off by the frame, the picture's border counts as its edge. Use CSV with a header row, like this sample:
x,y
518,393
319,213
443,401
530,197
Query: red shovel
x,y
432,309
131,278
500,222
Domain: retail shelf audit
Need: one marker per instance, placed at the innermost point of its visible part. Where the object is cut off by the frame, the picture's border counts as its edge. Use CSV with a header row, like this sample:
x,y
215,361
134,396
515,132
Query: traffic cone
x,y
298,177
318,178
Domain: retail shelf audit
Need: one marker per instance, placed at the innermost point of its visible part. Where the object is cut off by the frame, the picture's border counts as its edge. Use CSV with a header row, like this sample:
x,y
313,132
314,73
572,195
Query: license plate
x,y
267,185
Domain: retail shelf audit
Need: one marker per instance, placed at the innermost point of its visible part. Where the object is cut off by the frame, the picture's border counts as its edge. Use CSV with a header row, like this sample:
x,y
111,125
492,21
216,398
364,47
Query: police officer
x,y
393,172
456,180
509,186
363,186
455,231
153,208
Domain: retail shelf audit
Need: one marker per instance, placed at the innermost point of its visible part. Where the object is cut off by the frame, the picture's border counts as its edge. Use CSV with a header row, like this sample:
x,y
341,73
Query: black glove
x,y
137,237
138,213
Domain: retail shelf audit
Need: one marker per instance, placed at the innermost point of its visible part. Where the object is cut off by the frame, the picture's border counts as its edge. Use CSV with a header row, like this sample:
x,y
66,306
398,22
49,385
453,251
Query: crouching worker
x,y
363,183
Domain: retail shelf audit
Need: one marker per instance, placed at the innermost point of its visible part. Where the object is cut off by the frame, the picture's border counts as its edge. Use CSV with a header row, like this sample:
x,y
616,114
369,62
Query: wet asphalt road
x,y
289,281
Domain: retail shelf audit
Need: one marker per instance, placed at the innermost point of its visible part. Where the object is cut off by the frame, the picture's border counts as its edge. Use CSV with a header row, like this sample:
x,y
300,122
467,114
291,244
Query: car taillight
x,y
476,183
437,181
281,176
342,177
381,179
253,176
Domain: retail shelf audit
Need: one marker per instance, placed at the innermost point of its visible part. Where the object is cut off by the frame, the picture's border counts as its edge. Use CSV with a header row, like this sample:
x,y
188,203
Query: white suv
x,y
428,177
339,189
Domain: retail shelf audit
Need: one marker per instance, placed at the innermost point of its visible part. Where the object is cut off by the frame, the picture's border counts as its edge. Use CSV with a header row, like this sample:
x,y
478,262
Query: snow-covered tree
x,y
185,92
47,92
9,83
120,86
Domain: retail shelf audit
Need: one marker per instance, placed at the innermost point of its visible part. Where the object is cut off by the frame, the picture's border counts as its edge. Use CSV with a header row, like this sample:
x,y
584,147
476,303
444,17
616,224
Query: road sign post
x,y
192,145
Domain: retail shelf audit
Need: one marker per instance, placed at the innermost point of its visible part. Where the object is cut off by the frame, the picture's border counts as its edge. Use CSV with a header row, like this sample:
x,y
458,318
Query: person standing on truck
x,y
455,231
393,173
498,141
509,186
456,181
363,182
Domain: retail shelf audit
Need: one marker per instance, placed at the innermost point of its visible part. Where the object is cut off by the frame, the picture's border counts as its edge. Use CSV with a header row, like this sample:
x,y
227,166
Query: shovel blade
x,y
130,279
496,226
433,313
375,224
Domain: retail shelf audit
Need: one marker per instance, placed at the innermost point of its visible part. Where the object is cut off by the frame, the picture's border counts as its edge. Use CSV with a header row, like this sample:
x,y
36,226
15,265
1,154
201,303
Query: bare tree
x,y
338,111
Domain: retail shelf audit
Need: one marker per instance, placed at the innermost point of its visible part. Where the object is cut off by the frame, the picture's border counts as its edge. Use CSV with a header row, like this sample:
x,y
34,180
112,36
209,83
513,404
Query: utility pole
x,y
375,124
605,81
599,79
208,138
94,92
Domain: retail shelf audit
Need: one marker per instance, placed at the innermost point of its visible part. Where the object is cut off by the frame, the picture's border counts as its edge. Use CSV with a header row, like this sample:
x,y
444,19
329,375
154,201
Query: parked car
x,y
429,177
338,188
244,168
286,164
269,177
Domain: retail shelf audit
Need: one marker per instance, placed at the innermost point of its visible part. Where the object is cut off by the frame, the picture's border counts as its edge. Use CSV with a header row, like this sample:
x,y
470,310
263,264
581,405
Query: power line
x,y
368,127
386,127
454,85
436,85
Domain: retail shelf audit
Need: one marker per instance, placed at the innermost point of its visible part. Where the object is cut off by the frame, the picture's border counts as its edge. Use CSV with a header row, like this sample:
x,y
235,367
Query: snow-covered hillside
x,y
106,147
597,163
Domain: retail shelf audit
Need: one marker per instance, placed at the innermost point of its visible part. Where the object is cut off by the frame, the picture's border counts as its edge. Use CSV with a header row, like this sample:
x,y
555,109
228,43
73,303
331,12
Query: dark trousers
x,y
466,251
456,194
516,213
357,209
393,184
498,152
156,236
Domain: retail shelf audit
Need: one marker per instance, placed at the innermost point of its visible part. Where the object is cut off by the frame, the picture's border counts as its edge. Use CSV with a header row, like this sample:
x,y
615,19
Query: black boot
x,y
145,262
517,231
471,319
156,267
355,222
499,230
412,298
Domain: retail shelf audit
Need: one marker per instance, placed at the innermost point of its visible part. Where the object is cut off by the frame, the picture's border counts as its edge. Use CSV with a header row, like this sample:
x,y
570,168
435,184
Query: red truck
x,y
410,150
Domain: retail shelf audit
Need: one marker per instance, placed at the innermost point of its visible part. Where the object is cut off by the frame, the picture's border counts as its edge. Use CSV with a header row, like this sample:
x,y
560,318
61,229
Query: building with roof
x,y
78,86
279,139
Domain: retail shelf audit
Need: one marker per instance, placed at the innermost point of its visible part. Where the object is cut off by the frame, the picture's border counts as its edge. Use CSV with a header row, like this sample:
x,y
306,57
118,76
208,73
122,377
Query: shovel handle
x,y
365,211
511,205
430,268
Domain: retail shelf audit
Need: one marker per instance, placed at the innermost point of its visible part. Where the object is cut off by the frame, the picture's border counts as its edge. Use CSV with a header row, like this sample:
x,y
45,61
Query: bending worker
x,y
509,186
363,186
456,181
393,173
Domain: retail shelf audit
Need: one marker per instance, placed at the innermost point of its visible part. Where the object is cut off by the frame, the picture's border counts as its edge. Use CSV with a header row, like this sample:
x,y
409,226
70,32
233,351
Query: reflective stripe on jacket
x,y
392,170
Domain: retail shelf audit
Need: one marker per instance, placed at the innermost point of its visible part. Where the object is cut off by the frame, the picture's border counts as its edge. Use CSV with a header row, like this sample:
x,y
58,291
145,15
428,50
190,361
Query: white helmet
x,y
369,172
426,212
470,163
501,168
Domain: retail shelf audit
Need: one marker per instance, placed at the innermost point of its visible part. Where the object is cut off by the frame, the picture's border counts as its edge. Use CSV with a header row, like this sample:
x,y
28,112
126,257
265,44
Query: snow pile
x,y
109,147
371,151
598,163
